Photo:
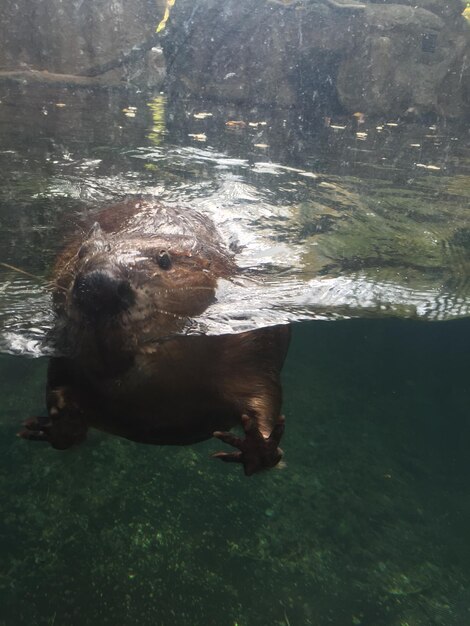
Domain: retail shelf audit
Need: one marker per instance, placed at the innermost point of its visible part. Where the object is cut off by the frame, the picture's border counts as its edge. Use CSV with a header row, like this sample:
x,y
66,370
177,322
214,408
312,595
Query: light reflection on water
x,y
330,221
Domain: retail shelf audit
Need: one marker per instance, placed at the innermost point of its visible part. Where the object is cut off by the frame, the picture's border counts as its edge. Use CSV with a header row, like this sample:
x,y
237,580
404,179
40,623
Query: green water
x,y
367,523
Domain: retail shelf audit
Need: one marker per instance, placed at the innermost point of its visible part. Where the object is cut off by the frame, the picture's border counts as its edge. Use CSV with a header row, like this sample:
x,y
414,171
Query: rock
x,y
70,37
405,58
264,53
322,57
446,9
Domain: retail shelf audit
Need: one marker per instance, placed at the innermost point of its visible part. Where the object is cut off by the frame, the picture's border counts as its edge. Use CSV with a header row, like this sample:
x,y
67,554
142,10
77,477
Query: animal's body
x,y
122,296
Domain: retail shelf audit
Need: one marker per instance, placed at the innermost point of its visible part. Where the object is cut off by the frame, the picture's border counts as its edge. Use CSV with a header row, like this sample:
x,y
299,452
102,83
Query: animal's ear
x,y
95,231
93,242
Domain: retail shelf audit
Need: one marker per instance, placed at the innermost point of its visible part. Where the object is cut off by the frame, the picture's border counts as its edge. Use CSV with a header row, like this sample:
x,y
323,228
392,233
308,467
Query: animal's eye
x,y
164,260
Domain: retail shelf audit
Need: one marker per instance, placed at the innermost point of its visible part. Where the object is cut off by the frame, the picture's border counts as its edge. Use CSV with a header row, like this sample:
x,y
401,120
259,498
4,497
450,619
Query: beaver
x,y
123,298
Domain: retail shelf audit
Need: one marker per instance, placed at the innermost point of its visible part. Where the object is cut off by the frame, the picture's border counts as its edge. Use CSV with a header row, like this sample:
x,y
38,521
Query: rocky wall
x,y
324,56
73,36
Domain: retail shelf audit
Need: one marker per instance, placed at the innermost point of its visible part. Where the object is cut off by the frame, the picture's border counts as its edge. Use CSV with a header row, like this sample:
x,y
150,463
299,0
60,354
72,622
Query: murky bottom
x,y
367,523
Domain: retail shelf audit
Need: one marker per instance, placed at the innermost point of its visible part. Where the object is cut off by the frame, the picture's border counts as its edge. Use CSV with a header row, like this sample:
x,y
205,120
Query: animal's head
x,y
138,284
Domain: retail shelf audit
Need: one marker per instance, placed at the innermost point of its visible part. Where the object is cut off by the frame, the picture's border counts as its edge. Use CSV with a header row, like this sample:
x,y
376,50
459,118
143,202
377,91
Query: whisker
x,y
189,288
49,283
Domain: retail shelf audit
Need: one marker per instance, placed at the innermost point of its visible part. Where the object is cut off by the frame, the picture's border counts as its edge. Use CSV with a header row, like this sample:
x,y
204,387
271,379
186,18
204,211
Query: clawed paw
x,y
61,434
36,429
255,451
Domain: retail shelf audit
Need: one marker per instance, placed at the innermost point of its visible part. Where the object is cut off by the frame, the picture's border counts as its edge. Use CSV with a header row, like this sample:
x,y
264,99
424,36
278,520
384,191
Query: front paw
x,y
36,429
61,434
255,452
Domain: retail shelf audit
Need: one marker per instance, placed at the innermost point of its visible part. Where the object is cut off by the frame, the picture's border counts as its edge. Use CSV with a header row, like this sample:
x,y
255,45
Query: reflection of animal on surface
x,y
122,296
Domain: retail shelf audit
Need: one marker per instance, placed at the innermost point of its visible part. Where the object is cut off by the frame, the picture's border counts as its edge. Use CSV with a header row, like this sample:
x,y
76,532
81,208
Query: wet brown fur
x,y
133,375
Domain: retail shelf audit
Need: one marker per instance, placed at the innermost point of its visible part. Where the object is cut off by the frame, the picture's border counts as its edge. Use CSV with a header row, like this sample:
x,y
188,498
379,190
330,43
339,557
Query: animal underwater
x,y
122,298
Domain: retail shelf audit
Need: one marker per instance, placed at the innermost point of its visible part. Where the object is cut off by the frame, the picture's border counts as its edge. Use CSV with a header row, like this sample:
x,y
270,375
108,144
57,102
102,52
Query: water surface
x,y
332,219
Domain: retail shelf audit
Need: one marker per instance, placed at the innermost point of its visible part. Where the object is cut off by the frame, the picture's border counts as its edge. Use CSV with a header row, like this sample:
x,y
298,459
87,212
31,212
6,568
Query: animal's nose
x,y
98,294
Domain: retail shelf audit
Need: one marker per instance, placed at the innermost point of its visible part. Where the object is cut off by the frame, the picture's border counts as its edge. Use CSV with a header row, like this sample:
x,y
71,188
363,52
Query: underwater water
x,y
367,524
